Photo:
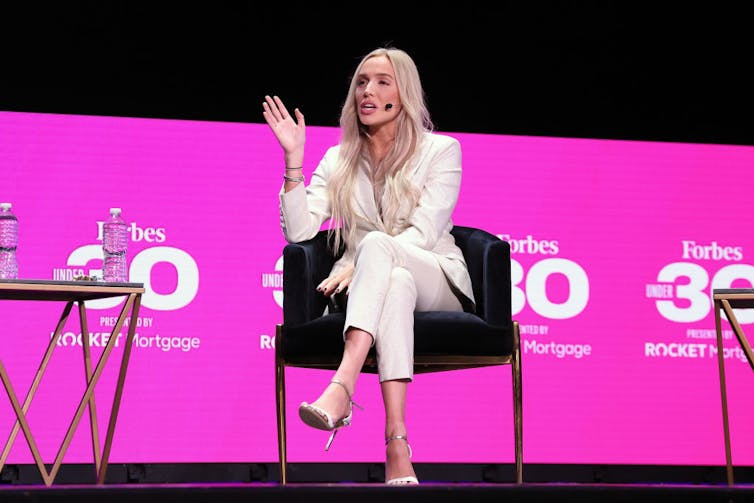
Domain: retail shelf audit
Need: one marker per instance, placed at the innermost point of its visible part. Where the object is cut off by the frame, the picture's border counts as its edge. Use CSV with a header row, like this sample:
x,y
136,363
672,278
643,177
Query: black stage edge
x,y
358,473
373,492
362,483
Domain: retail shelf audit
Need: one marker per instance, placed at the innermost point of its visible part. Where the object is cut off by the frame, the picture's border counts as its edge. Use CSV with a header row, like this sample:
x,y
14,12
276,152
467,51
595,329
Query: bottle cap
x,y
115,211
6,206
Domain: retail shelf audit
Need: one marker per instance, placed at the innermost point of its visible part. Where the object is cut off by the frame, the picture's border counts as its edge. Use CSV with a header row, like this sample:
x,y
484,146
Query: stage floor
x,y
373,493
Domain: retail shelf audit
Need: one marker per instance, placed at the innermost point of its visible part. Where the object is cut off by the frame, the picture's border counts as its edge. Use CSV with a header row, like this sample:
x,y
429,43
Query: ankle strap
x,y
396,437
400,437
335,380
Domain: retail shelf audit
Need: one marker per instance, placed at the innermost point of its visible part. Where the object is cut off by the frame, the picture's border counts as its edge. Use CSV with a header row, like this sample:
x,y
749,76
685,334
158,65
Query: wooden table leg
x,y
119,385
723,395
24,425
88,377
21,413
129,304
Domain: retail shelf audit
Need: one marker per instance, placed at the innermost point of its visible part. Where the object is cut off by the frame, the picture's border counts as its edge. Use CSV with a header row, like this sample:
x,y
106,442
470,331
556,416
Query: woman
x,y
388,190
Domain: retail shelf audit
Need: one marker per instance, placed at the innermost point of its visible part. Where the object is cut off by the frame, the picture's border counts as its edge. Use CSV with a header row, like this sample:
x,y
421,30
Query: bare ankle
x,y
397,428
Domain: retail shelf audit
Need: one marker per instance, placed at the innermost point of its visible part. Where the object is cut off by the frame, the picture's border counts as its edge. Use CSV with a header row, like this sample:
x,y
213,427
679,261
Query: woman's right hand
x,y
290,133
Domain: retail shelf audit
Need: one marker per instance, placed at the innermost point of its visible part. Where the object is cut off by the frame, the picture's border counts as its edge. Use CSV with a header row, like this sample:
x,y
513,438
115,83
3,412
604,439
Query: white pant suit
x,y
416,267
392,280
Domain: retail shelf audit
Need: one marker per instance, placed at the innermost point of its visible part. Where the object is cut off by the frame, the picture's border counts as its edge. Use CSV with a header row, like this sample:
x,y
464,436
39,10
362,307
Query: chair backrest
x,y
488,260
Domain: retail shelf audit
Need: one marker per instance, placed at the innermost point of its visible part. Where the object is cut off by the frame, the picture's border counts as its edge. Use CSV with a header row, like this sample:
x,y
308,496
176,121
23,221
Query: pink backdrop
x,y
616,247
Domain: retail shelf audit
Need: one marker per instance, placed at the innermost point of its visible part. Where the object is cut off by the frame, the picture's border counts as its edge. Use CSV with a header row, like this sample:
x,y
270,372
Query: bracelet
x,y
296,179
293,169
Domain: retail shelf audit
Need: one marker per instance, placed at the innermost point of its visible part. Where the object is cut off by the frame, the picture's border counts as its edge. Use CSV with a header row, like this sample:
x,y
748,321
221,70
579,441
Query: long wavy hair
x,y
413,121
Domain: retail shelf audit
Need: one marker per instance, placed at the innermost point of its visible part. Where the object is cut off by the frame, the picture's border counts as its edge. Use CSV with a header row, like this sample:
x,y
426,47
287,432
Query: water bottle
x,y
114,247
8,242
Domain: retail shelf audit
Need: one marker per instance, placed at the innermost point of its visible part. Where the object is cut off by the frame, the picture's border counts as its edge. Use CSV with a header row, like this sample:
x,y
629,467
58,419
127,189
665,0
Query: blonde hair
x,y
412,122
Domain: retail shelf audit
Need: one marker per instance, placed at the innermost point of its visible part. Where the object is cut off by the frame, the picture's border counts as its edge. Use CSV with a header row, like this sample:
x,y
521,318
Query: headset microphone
x,y
388,106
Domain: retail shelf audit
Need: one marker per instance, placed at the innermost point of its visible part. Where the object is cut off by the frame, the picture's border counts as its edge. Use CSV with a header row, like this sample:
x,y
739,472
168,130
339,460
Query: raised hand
x,y
290,133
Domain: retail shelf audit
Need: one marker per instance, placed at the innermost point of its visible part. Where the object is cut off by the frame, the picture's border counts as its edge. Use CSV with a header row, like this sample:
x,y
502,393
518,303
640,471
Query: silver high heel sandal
x,y
319,418
401,481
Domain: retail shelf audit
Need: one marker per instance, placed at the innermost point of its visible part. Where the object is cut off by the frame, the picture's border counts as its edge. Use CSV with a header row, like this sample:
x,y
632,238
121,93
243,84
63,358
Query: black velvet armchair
x,y
308,339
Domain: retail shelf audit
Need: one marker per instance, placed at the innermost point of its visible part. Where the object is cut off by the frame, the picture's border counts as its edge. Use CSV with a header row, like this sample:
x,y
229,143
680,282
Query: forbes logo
x,y
148,234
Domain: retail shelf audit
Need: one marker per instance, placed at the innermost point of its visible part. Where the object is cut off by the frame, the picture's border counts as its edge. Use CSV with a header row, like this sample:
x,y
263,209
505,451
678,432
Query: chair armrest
x,y
489,261
305,265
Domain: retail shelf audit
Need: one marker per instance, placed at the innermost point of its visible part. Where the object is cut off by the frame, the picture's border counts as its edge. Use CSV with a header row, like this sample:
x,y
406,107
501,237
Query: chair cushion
x,y
435,333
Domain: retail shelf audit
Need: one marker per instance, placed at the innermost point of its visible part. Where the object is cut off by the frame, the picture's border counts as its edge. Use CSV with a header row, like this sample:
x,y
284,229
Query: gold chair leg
x,y
518,423
280,399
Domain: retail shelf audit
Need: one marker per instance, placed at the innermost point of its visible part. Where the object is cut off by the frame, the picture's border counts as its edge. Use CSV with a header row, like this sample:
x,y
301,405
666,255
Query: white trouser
x,y
390,281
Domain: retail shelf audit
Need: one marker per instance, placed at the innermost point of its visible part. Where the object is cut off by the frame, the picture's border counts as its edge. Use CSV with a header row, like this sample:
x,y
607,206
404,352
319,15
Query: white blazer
x,y
437,172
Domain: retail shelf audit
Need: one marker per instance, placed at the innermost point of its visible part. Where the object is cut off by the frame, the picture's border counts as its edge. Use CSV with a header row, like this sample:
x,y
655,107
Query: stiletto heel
x,y
401,481
319,418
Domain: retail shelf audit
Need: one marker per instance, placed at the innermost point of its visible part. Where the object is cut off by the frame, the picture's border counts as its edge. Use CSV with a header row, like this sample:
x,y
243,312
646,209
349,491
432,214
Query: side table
x,y
73,292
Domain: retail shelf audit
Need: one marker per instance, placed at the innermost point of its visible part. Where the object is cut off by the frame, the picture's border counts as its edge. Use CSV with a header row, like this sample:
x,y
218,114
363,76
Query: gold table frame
x,y
73,292
727,299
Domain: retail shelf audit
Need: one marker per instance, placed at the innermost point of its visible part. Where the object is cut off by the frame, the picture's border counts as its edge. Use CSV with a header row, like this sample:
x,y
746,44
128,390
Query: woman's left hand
x,y
337,282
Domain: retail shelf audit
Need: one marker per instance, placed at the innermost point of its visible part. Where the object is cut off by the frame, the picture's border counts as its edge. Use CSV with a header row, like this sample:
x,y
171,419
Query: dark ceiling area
x,y
617,70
